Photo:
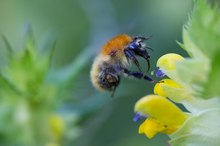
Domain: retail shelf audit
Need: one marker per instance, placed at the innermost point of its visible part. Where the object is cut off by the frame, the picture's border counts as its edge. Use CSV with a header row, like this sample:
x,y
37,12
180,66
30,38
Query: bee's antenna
x,y
142,37
147,38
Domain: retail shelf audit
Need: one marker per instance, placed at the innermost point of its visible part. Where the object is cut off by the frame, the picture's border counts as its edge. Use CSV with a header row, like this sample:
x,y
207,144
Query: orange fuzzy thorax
x,y
116,44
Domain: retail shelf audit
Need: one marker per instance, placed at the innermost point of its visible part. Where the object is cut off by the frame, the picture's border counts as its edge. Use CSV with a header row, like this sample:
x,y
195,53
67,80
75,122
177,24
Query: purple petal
x,y
138,117
160,73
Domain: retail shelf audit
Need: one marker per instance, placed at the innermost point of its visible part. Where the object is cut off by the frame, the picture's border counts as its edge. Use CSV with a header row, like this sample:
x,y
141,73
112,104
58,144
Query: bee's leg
x,y
115,86
130,55
138,75
148,64
113,91
143,53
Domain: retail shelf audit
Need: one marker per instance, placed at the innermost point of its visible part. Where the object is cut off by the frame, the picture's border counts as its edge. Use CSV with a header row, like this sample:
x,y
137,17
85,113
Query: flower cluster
x,y
192,82
163,115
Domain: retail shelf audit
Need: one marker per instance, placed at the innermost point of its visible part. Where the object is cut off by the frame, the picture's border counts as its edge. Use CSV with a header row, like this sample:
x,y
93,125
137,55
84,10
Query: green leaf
x,y
201,129
203,28
7,44
46,45
190,47
201,38
193,73
176,94
212,86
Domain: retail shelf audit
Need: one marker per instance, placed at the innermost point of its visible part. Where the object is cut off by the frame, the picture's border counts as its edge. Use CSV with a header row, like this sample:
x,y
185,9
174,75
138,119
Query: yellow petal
x,y
57,125
160,109
168,82
150,127
142,128
168,61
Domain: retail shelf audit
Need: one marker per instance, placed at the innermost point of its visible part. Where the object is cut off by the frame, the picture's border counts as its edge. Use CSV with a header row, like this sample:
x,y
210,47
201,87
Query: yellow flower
x,y
168,61
150,127
164,116
158,89
57,125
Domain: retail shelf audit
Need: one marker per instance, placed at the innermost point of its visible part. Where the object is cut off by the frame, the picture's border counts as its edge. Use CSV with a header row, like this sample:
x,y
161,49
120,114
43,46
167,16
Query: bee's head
x,y
139,48
109,80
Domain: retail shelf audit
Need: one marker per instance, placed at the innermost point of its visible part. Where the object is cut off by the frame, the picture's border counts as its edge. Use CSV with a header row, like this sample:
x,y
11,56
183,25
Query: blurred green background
x,y
80,28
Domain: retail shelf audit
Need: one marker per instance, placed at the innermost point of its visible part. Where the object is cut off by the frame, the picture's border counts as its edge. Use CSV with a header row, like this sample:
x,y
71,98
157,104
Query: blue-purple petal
x,y
160,73
138,117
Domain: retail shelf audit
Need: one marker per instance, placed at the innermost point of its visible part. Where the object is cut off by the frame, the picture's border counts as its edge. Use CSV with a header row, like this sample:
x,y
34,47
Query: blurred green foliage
x,y
80,27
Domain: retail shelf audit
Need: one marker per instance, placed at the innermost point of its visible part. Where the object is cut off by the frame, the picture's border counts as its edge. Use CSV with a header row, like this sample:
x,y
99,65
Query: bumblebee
x,y
114,60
